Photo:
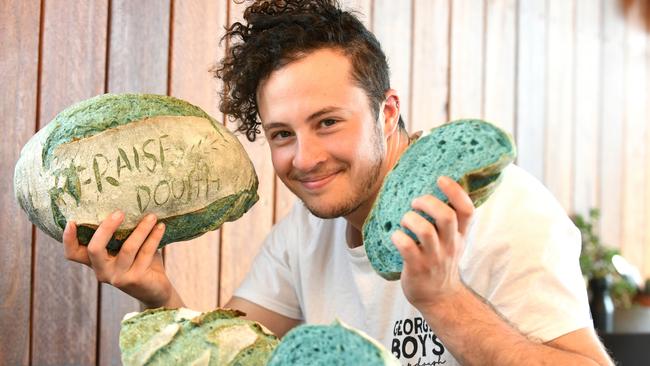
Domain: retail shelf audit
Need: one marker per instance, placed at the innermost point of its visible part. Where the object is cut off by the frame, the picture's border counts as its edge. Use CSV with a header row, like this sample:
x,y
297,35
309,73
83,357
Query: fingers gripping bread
x,y
472,152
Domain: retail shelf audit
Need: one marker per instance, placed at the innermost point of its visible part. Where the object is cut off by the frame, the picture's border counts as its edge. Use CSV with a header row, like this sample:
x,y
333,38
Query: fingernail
x,y
160,226
443,181
117,215
150,218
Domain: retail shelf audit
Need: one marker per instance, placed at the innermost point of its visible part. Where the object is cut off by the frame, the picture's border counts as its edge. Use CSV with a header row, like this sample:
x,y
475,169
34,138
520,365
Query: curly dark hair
x,y
277,32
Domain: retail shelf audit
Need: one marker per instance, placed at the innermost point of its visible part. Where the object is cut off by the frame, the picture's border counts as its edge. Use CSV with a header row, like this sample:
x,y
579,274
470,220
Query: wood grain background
x,y
570,79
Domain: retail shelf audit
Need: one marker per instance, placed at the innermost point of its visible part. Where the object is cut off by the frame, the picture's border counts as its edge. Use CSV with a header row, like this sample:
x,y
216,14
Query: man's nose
x,y
309,153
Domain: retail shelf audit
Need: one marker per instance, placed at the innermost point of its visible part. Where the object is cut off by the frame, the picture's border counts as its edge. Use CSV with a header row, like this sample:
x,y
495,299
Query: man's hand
x,y
430,270
137,269
431,282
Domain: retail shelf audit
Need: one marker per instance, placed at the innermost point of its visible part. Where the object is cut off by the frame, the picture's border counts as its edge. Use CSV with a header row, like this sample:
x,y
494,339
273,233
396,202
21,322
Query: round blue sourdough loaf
x,y
330,345
186,337
138,153
472,152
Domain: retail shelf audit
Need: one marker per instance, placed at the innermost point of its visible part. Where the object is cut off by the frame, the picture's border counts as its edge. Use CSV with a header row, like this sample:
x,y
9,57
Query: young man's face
x,y
325,143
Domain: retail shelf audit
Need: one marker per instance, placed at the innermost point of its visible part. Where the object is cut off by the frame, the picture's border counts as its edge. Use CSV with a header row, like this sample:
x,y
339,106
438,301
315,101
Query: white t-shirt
x,y
521,255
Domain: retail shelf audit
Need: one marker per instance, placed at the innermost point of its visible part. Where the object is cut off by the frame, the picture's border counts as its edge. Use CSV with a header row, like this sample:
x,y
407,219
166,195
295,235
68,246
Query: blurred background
x,y
570,79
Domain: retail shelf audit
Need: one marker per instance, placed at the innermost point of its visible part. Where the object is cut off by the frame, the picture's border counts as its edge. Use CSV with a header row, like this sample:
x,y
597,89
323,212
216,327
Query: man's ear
x,y
390,112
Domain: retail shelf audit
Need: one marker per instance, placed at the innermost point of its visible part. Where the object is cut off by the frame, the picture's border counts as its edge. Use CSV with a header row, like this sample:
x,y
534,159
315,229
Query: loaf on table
x,y
186,337
330,345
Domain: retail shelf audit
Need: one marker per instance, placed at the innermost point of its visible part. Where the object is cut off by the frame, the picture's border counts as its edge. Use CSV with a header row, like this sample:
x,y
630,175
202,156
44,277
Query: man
x,y
499,285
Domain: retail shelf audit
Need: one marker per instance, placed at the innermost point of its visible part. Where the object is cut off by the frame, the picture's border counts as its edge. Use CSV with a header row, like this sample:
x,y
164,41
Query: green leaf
x,y
112,181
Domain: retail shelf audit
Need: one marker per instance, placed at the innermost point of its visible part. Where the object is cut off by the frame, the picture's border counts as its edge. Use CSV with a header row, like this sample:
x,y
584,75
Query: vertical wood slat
x,y
586,97
65,293
193,266
19,40
646,244
392,25
139,41
284,200
531,86
241,240
559,102
137,63
612,98
634,149
430,65
466,47
500,63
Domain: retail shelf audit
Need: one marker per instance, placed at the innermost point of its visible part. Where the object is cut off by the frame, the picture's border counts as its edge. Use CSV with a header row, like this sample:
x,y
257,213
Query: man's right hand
x,y
137,269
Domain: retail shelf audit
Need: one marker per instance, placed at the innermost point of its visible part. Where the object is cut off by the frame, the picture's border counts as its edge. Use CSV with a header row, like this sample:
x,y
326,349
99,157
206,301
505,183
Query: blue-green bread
x,y
330,345
140,153
472,152
186,337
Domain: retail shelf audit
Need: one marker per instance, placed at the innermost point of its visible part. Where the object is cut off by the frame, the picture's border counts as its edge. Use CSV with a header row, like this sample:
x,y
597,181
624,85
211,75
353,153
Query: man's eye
x,y
328,122
281,134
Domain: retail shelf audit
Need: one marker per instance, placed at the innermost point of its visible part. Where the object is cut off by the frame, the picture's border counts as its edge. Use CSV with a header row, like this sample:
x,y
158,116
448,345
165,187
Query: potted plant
x,y
607,288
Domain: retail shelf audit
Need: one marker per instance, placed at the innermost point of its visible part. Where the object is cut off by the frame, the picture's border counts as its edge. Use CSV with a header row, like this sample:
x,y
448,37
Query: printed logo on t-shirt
x,y
415,342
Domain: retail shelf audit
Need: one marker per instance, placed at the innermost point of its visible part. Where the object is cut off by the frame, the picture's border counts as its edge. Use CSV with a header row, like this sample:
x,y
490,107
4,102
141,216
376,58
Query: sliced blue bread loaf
x,y
330,345
472,152
187,337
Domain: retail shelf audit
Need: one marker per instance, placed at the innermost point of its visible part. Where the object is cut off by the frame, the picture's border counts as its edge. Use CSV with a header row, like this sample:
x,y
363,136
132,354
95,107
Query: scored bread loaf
x,y
187,337
330,345
139,153
471,152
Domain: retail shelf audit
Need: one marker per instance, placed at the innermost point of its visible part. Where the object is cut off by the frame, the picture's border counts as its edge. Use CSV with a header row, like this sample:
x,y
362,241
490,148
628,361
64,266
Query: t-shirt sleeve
x,y
270,282
526,263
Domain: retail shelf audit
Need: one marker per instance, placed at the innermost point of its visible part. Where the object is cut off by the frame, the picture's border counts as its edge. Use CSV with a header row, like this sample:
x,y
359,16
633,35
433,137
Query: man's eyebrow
x,y
270,125
315,115
323,111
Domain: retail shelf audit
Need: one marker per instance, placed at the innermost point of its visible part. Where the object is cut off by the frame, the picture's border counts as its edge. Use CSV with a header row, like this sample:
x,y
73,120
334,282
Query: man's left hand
x,y
430,270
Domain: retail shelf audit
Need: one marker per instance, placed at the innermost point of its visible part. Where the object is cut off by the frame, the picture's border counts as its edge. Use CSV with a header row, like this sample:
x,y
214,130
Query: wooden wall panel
x,y
19,39
392,26
634,231
193,267
559,102
137,63
467,55
531,86
586,97
65,293
500,63
430,66
138,46
241,240
612,99
284,200
646,243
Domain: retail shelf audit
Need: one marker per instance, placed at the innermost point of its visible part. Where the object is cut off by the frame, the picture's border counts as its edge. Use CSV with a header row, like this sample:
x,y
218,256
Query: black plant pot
x,y
601,304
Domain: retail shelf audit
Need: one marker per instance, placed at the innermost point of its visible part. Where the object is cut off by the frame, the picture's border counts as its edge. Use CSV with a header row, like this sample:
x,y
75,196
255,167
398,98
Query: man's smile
x,y
314,183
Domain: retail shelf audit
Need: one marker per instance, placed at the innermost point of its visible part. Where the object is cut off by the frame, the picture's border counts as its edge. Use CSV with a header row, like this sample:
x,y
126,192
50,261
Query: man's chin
x,y
331,212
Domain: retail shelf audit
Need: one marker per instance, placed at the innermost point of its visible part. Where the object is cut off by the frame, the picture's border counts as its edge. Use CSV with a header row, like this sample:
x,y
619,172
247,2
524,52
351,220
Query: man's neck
x,y
395,146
